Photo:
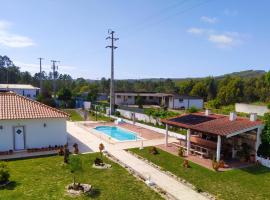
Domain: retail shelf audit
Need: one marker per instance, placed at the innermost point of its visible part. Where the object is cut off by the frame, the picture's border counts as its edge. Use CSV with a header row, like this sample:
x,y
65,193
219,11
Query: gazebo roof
x,y
214,123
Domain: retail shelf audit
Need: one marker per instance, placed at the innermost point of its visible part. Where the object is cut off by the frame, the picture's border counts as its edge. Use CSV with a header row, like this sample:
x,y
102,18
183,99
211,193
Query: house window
x,y
28,95
129,97
151,98
181,100
1,128
118,97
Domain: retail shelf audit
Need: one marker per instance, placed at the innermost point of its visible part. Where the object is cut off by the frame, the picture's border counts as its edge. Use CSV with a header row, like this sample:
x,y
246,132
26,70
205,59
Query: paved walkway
x,y
90,142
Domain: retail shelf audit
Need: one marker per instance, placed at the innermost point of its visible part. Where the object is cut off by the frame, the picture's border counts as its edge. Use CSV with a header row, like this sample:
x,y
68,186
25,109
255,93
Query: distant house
x,y
170,100
25,123
21,89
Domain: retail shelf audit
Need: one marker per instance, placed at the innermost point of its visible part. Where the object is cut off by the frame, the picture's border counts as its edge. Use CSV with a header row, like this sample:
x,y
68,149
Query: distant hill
x,y
243,74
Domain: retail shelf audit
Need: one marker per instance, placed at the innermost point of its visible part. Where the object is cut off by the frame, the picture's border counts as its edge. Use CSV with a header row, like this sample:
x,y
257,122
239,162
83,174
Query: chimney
x,y
253,117
233,116
207,112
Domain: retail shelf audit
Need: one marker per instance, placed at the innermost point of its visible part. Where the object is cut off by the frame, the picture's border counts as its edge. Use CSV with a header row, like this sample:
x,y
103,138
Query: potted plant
x,y
153,150
101,148
76,149
181,152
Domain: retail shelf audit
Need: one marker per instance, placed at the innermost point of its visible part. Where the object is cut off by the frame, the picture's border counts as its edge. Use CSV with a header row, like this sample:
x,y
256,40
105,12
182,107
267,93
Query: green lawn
x,y
46,178
74,116
249,183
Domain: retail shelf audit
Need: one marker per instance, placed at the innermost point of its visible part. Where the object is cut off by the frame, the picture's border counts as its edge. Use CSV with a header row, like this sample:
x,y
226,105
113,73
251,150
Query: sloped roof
x,y
14,106
18,86
215,123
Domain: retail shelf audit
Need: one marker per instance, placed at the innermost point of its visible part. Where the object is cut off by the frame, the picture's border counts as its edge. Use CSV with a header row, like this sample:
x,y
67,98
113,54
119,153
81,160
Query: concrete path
x,y
90,142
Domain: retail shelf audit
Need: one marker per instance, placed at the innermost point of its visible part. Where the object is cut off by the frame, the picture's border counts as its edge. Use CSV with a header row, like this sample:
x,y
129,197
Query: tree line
x,y
217,92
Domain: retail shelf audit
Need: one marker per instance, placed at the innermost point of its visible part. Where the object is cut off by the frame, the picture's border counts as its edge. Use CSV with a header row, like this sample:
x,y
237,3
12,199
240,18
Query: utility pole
x,y
112,38
54,68
40,75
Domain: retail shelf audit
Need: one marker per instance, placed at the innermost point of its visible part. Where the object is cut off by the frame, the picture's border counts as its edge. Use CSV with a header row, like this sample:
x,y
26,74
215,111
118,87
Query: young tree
x,y
139,101
75,166
4,172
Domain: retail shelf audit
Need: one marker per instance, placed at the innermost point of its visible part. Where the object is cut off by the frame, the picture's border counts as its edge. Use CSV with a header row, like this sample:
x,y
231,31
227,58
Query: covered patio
x,y
232,139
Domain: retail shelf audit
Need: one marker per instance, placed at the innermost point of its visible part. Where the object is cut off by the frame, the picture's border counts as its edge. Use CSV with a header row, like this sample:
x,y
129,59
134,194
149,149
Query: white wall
x,y
138,116
36,135
187,103
249,108
30,93
124,100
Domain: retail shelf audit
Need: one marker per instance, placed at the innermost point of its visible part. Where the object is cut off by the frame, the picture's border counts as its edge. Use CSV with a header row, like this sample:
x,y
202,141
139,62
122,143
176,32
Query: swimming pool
x,y
117,133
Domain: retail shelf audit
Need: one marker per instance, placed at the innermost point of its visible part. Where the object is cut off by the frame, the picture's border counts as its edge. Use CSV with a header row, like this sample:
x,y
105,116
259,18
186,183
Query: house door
x,y
19,137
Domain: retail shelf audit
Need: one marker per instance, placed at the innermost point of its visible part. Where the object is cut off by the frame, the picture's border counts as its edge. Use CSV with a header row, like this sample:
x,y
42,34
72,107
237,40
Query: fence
x,y
138,116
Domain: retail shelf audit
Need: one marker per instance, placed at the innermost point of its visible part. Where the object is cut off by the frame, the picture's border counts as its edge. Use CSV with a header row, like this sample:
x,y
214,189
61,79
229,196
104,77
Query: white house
x,y
25,123
170,100
21,89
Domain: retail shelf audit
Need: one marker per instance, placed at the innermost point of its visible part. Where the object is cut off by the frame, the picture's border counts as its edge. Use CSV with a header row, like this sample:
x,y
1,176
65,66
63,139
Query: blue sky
x,y
158,38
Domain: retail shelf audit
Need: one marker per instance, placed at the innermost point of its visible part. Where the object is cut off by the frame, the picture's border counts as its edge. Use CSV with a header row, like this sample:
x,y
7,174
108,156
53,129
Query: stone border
x,y
140,177
206,194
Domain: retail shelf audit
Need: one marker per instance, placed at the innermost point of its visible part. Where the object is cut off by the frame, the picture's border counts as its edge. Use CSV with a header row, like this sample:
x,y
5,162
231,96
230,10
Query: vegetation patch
x,y
47,178
247,183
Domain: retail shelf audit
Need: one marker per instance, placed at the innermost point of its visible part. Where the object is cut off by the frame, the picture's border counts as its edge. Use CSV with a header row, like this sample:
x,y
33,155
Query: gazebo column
x,y
218,148
258,139
166,135
188,141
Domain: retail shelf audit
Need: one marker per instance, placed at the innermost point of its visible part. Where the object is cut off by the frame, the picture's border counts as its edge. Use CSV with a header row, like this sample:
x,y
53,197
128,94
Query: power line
x,y
112,47
182,11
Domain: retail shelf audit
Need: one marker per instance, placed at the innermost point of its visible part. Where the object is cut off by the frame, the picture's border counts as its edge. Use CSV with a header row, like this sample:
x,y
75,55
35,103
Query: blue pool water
x,y
117,133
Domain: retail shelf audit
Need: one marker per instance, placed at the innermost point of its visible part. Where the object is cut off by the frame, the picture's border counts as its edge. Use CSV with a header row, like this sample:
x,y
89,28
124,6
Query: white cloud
x,y
209,20
195,31
231,13
13,40
220,39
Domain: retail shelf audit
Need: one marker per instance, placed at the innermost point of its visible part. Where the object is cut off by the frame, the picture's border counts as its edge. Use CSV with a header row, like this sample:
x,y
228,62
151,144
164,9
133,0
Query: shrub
x,y
192,109
4,172
98,162
153,150
186,164
76,148
75,166
117,114
101,148
264,150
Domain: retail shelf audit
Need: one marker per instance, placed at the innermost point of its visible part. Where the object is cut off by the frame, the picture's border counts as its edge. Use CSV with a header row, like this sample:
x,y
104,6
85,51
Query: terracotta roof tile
x,y
220,125
14,106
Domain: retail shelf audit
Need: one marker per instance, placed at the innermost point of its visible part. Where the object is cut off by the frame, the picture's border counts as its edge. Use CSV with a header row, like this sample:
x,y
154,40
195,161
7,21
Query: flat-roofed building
x,y
28,91
170,100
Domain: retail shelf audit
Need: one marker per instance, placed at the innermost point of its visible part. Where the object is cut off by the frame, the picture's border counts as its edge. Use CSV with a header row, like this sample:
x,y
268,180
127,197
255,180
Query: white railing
x,y
264,162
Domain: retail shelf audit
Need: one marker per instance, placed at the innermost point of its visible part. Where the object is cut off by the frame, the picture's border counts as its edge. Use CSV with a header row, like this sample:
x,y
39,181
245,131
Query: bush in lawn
x,y
264,148
4,173
117,114
76,148
75,167
153,150
98,162
192,109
